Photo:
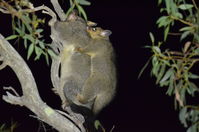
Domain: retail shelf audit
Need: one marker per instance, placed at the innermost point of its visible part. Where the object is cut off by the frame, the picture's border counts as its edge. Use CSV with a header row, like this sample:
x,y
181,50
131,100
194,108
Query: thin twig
x,y
58,10
182,21
12,89
194,3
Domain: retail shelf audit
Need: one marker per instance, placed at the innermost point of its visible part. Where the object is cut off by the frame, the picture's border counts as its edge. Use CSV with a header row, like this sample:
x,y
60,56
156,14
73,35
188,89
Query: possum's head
x,y
73,28
98,33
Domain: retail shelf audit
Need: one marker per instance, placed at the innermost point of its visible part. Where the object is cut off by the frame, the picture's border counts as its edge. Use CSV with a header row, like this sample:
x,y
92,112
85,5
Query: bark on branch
x,y
30,97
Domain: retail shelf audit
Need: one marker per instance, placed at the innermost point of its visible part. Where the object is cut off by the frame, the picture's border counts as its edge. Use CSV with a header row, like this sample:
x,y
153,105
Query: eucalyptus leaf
x,y
170,90
179,15
51,53
185,6
2,126
11,37
193,128
25,43
187,28
70,10
30,50
152,37
166,31
167,75
41,44
192,88
81,10
193,76
156,49
184,35
182,116
47,58
19,31
163,21
168,5
38,52
29,37
159,2
39,30
161,73
156,66
83,2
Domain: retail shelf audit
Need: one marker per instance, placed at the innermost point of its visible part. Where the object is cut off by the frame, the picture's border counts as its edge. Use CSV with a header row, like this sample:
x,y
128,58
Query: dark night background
x,y
139,105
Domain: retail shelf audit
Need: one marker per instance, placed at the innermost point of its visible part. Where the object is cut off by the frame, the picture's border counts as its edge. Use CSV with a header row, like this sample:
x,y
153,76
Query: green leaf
x,y
193,76
18,31
23,28
156,49
39,30
170,90
25,43
179,15
174,9
167,75
188,28
11,37
196,51
185,6
182,116
159,2
192,88
162,18
29,37
166,31
71,2
196,37
184,35
28,26
161,73
30,50
168,6
38,52
51,53
70,10
81,10
193,128
83,2
47,58
152,37
156,66
165,83
163,21
98,125
2,126
41,44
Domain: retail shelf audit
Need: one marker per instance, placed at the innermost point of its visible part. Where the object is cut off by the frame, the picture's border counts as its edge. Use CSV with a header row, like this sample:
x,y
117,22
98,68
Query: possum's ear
x,y
91,24
105,33
72,16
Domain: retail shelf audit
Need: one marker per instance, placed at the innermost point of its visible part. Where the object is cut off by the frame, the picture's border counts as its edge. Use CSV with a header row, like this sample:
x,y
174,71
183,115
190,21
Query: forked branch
x,y
30,97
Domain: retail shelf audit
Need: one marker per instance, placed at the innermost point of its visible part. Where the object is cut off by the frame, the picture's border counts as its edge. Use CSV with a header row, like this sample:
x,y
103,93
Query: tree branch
x,y
30,97
58,10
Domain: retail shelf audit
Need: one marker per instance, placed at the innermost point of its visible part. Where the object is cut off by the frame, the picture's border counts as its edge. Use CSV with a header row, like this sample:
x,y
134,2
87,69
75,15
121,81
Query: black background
x,y
140,105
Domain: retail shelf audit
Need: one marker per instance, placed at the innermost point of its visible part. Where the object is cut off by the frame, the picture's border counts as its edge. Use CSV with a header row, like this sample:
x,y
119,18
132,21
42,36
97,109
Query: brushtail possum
x,y
74,66
87,73
100,86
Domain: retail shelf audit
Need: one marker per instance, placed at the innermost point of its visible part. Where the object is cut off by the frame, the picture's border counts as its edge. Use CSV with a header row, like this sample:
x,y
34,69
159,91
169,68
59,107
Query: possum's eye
x,y
94,29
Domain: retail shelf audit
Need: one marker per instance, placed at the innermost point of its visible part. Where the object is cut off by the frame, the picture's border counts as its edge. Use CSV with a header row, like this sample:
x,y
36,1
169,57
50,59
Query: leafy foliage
x,y
3,127
27,26
78,4
174,69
